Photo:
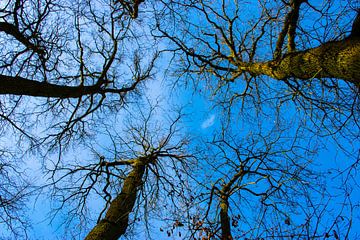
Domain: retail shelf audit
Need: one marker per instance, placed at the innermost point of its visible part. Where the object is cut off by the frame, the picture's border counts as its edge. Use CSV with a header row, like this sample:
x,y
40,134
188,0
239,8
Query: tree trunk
x,y
117,217
337,59
224,219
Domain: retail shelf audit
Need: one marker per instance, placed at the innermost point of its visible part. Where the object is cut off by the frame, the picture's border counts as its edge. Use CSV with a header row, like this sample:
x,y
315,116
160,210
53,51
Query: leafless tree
x,y
141,168
64,66
263,186
14,191
68,61
279,52
70,72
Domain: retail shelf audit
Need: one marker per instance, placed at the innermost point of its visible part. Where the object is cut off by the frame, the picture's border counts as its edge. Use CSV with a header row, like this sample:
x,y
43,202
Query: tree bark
x,y
225,219
22,86
224,205
116,219
337,59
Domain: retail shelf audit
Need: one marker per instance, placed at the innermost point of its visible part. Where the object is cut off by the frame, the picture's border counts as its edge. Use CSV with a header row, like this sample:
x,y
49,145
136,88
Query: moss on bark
x,y
337,59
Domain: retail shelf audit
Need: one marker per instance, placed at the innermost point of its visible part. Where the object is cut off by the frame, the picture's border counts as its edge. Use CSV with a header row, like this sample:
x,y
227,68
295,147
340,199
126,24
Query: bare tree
x,y
281,52
64,66
69,61
138,169
68,70
14,191
263,186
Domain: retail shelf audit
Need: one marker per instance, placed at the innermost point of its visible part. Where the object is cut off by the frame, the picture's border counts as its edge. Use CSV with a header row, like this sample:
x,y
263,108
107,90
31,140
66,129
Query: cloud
x,y
208,122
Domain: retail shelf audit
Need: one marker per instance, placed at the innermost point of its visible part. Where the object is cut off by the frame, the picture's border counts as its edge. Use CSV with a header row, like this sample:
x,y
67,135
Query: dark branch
x,y
22,86
14,31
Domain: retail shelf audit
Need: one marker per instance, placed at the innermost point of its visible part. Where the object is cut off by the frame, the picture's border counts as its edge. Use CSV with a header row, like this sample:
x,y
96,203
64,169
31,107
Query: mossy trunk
x,y
337,59
116,220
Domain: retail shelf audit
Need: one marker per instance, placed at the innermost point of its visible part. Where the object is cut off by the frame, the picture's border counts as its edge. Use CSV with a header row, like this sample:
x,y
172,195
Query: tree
x,y
72,72
238,50
260,52
138,168
73,65
264,187
14,191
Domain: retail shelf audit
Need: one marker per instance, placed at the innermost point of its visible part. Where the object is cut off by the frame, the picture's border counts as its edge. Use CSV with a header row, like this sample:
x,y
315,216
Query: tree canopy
x,y
188,119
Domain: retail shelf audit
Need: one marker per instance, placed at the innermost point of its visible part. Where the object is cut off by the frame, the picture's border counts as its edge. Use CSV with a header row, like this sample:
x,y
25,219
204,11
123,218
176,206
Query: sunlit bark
x,y
338,59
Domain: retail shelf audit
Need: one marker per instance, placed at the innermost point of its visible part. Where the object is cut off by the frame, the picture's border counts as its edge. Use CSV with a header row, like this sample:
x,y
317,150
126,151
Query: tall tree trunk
x,y
116,220
224,204
337,59
225,219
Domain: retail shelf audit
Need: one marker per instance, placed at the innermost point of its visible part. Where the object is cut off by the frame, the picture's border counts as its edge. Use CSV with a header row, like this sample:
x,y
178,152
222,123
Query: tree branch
x,y
22,86
14,31
289,28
